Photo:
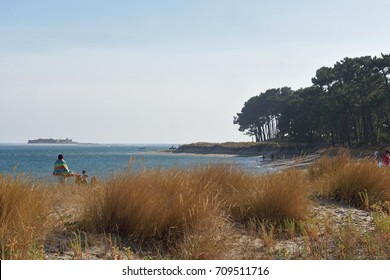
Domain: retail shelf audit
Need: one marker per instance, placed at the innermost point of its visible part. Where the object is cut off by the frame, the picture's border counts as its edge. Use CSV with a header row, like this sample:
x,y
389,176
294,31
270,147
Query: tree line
x,y
348,103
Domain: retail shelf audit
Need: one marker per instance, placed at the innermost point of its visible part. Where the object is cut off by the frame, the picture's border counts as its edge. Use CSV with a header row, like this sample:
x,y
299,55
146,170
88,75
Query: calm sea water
x,y
37,161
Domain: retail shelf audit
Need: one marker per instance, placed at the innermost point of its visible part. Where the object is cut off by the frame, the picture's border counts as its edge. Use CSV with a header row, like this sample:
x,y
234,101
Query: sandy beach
x,y
242,244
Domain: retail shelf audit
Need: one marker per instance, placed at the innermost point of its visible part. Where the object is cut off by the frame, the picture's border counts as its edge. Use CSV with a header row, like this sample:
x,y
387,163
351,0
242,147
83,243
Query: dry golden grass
x,y
360,183
24,213
198,213
328,165
272,198
209,241
156,208
174,208
347,241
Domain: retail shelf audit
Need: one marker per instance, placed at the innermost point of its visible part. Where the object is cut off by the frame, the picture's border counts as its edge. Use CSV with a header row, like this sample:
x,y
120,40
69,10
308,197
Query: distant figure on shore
x,y
386,158
378,158
61,170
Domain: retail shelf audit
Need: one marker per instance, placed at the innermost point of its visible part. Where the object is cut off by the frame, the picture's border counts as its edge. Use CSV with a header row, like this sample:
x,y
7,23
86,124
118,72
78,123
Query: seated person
x,y
61,170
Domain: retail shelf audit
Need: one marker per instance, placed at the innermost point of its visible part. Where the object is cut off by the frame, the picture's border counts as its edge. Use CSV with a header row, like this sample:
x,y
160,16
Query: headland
x,y
277,149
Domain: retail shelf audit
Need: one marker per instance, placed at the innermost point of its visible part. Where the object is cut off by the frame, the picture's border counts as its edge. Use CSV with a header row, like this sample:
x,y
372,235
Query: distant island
x,y
52,141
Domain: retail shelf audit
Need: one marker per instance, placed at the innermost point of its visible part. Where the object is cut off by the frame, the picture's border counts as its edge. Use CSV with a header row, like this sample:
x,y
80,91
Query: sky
x,y
168,71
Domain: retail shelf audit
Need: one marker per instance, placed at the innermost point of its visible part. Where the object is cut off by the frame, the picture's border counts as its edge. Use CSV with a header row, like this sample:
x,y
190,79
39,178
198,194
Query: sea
x,y
36,161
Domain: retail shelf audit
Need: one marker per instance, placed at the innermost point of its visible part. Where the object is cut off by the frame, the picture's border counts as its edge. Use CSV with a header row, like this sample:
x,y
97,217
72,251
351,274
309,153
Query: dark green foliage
x,y
261,114
348,103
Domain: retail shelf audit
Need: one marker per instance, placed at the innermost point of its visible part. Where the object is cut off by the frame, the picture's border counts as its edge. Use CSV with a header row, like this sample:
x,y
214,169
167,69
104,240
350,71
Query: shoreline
x,y
278,155
272,150
280,163
278,150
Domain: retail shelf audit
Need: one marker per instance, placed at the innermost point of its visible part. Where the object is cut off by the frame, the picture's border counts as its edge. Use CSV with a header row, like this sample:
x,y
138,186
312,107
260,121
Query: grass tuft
x,y
273,198
173,208
24,213
360,183
151,206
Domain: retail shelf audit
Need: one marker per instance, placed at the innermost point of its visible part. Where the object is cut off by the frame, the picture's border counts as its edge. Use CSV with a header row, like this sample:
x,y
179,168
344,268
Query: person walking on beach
x,y
61,170
386,158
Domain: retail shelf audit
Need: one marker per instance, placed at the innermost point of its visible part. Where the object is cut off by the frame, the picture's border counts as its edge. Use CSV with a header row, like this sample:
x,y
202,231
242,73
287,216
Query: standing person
x,y
386,158
378,158
61,170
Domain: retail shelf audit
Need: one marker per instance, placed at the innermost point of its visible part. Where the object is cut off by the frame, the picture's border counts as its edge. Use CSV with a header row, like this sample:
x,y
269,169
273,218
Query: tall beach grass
x,y
24,218
155,208
272,198
357,182
172,208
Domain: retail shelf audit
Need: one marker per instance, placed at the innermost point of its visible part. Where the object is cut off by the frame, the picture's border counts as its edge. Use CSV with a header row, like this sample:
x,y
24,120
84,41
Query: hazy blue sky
x,y
143,71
